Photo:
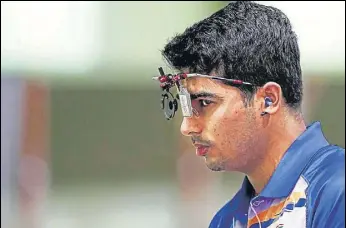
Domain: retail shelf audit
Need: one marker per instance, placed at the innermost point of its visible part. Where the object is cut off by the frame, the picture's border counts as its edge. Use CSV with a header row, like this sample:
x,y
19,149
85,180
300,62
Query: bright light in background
x,y
139,30
52,36
76,37
320,27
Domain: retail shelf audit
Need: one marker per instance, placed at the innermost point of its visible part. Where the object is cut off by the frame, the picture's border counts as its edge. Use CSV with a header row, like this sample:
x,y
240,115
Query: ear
x,y
273,91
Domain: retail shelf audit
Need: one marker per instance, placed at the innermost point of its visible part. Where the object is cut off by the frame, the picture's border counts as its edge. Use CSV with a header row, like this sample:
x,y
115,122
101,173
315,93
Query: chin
x,y
220,164
216,169
214,165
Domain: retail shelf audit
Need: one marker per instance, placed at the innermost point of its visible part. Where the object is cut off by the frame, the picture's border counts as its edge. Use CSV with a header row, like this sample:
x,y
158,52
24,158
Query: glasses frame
x,y
169,103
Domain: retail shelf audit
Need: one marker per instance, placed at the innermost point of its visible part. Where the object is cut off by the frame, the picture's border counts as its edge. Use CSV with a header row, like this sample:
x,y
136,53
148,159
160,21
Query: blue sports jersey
x,y
307,189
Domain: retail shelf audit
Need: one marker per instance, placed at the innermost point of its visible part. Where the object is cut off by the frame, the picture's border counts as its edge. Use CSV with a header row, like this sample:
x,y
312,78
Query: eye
x,y
205,103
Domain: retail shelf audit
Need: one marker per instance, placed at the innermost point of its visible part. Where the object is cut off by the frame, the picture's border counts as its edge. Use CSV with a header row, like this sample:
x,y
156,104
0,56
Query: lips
x,y
201,150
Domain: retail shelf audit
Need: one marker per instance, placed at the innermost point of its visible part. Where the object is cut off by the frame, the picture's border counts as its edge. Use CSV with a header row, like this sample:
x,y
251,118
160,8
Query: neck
x,y
280,139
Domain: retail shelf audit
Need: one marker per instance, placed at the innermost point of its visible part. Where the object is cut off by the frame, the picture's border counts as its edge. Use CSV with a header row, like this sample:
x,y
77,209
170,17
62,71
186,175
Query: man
x,y
241,95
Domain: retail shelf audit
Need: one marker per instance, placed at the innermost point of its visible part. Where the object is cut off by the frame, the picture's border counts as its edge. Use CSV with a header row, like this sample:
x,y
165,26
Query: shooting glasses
x,y
169,103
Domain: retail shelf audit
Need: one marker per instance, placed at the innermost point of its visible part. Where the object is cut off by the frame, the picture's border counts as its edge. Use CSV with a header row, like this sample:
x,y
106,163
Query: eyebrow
x,y
204,94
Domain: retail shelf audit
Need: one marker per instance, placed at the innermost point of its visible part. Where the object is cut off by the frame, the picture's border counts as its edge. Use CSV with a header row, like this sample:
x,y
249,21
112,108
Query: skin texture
x,y
237,136
253,43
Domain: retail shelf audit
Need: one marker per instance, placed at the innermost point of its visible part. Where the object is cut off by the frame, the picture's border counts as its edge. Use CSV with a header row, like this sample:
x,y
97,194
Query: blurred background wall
x,y
83,139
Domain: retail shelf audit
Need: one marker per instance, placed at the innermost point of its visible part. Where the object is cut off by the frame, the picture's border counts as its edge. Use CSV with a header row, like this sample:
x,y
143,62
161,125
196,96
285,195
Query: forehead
x,y
198,84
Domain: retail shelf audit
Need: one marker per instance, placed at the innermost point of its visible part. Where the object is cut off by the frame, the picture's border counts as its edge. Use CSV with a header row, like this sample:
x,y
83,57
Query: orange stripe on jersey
x,y
273,211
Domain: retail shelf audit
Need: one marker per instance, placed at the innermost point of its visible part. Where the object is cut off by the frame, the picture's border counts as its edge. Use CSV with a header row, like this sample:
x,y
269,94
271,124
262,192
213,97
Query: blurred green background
x,y
113,160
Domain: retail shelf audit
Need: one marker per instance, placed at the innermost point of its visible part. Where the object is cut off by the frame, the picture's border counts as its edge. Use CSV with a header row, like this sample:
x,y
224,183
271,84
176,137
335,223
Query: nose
x,y
190,126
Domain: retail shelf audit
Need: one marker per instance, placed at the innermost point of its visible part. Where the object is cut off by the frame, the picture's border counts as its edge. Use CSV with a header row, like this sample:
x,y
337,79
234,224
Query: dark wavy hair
x,y
246,41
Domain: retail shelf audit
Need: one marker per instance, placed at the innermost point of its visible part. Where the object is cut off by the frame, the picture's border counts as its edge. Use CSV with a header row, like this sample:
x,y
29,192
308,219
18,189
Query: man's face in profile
x,y
222,129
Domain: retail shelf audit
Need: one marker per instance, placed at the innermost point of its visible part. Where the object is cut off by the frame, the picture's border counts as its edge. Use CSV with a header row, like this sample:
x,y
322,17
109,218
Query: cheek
x,y
225,125
232,116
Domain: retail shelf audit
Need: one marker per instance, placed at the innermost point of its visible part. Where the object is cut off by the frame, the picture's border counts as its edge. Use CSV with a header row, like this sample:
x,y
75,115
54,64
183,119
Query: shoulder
x,y
326,186
327,166
220,215
231,214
